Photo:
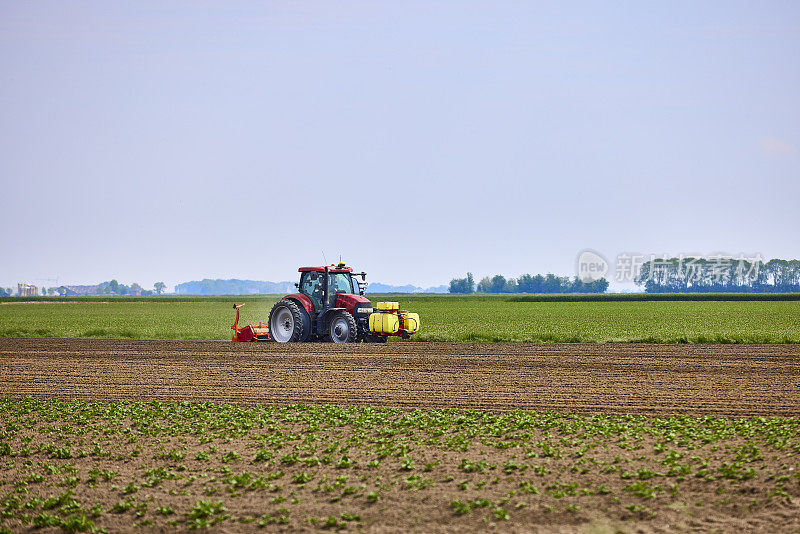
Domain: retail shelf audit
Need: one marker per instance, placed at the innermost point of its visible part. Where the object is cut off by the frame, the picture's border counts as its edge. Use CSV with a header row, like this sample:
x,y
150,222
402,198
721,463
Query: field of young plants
x,y
89,466
444,318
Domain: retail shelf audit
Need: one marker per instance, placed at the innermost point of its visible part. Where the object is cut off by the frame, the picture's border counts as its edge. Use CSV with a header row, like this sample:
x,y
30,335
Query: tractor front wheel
x,y
286,322
341,328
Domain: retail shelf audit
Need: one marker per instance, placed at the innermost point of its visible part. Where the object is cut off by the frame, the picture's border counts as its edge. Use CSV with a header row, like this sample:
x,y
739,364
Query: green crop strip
x,y
88,466
444,318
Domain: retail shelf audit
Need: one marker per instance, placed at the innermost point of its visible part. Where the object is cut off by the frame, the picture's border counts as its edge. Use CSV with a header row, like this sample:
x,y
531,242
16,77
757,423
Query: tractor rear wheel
x,y
341,328
286,322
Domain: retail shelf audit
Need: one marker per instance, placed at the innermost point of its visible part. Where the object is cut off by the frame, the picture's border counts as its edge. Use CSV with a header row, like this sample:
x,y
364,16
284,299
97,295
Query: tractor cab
x,y
323,285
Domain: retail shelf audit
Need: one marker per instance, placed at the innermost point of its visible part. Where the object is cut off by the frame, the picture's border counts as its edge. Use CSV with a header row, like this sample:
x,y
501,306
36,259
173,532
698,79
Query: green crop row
x,y
87,466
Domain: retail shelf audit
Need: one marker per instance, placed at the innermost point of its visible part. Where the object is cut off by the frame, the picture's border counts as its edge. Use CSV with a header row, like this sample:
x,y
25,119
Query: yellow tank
x,y
387,306
411,321
384,323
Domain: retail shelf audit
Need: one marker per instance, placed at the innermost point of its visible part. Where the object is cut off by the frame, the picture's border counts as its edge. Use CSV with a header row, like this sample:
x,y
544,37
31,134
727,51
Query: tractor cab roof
x,y
331,269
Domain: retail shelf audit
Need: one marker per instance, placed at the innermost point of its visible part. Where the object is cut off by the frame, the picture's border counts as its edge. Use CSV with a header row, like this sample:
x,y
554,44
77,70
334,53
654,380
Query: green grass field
x,y
444,318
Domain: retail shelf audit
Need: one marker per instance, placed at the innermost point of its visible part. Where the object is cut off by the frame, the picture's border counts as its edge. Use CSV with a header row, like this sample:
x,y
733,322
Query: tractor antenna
x,y
323,258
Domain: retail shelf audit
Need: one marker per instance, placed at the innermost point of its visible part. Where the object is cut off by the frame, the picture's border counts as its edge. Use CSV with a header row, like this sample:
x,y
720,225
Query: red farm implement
x,y
249,332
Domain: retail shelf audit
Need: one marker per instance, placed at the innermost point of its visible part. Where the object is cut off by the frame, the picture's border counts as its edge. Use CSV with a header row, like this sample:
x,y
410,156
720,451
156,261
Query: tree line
x,y
112,287
526,283
719,275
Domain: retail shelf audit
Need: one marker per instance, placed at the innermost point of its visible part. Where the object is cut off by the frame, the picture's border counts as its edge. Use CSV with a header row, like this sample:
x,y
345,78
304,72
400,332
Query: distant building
x,y
27,290
73,291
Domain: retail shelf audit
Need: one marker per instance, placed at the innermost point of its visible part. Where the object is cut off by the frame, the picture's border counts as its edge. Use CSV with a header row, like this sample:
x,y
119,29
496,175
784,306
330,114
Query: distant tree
x,y
497,284
538,282
596,286
113,287
551,284
528,284
159,287
600,286
484,285
455,286
462,285
3,292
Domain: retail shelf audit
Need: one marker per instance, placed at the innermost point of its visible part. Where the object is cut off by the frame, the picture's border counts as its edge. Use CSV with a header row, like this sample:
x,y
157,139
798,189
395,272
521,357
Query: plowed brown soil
x,y
726,380
734,380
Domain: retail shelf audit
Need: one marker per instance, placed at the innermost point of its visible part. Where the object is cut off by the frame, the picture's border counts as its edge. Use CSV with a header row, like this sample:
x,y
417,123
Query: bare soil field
x,y
383,438
729,380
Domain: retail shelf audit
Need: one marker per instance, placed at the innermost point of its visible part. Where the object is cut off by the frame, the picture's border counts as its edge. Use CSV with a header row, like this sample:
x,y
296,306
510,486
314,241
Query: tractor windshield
x,y
339,283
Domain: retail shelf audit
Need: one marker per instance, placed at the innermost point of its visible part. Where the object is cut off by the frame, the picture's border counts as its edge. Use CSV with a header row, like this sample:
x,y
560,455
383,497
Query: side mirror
x,y
297,285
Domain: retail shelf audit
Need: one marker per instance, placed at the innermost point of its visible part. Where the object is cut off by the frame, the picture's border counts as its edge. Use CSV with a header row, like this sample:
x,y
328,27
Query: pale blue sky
x,y
177,141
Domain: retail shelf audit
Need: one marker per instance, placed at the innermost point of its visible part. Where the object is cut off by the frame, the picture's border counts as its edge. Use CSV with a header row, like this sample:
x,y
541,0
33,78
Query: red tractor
x,y
331,306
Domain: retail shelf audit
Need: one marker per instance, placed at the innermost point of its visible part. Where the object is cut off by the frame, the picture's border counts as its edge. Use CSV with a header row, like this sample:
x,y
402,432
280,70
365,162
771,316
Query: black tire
x,y
341,328
286,322
375,338
363,332
365,336
305,334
